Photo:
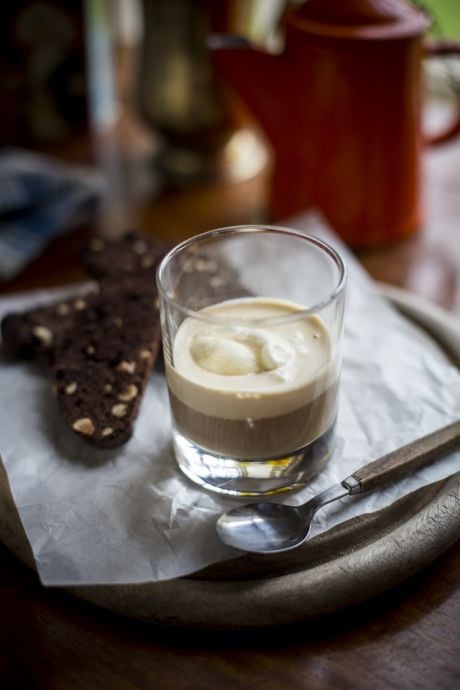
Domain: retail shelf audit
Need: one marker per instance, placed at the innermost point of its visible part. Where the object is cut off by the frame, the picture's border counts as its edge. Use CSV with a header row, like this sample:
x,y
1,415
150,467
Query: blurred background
x,y
136,125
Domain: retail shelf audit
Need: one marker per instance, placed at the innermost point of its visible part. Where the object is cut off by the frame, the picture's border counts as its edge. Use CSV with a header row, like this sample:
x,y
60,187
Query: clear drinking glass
x,y
252,321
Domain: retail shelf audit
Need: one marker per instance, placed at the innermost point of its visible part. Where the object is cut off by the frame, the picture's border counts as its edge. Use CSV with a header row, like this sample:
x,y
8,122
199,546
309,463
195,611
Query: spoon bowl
x,y
272,527
263,527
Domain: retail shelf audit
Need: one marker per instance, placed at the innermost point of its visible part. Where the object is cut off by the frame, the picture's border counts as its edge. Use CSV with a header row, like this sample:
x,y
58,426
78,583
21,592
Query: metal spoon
x,y
274,527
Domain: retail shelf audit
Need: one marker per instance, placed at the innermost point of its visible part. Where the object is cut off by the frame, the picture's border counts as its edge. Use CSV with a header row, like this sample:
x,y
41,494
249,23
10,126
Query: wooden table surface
x,y
406,638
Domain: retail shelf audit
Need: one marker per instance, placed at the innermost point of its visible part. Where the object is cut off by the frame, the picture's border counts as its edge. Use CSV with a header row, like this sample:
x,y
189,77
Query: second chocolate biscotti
x,y
132,258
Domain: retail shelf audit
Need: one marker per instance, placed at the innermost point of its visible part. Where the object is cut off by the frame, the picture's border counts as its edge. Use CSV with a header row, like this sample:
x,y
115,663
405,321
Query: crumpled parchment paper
x,y
129,516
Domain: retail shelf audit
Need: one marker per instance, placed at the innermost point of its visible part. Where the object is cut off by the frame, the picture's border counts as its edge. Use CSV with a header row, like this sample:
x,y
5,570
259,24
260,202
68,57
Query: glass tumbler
x,y
252,321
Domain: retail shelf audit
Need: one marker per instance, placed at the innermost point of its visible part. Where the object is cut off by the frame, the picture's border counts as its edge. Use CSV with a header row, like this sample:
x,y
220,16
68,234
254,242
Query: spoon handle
x,y
404,459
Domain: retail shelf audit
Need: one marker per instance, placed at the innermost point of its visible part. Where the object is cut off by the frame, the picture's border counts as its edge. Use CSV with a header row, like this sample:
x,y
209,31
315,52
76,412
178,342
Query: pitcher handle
x,y
439,49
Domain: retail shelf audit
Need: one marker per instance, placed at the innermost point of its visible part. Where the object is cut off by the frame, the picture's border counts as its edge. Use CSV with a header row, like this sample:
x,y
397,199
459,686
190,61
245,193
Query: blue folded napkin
x,y
39,200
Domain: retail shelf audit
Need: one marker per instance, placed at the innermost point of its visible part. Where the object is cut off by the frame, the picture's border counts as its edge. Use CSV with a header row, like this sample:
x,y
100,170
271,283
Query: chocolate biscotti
x,y
101,346
102,365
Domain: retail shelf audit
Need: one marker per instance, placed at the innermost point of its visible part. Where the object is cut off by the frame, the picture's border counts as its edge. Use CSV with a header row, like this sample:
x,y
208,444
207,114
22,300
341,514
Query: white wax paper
x,y
129,516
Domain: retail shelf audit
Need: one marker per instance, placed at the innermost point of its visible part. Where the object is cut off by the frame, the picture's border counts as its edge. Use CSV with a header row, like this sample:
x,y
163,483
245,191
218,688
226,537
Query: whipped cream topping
x,y
254,371
239,351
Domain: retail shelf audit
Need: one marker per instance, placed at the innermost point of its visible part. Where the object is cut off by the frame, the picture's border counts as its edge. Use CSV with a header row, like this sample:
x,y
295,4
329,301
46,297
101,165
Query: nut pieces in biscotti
x,y
129,367
129,393
84,426
120,410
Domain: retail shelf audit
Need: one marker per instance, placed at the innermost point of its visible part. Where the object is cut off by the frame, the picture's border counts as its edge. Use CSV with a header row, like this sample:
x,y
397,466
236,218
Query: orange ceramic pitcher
x,y
341,106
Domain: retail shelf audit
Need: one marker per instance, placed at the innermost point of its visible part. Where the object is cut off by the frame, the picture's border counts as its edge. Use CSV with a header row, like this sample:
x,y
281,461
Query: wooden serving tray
x,y
352,562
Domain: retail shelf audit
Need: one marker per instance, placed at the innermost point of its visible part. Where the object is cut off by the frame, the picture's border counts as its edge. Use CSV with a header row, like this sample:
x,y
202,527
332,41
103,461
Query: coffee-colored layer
x,y
257,438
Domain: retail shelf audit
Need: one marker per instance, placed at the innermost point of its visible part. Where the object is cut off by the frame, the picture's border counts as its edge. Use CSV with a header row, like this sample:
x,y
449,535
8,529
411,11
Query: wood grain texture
x,y
403,640
408,458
